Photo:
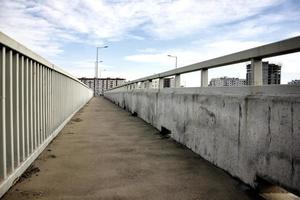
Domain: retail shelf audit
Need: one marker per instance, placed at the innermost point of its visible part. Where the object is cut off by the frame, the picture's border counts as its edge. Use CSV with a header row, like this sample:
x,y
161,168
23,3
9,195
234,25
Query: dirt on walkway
x,y
106,153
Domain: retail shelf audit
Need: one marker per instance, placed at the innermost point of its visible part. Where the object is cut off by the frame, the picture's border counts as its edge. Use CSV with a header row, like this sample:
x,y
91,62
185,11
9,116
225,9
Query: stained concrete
x,y
251,132
106,153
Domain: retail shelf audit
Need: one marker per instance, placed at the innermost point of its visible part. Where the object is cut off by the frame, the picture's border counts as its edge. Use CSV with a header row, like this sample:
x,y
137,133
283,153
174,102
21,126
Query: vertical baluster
x,y
2,115
15,81
26,116
34,105
257,67
54,103
56,113
59,96
9,113
21,108
57,99
43,105
51,101
204,77
30,111
40,104
47,102
51,98
38,115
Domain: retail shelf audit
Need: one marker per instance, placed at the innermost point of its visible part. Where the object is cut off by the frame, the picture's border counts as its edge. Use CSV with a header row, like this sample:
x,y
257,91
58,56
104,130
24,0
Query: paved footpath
x,y
105,153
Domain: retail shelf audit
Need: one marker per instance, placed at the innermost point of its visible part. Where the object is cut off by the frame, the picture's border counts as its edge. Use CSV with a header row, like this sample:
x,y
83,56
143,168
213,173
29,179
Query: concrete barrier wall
x,y
249,132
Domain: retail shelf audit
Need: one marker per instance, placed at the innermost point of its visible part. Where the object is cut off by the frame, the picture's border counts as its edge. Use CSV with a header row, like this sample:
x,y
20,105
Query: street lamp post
x,y
97,56
96,70
102,89
100,72
175,60
96,75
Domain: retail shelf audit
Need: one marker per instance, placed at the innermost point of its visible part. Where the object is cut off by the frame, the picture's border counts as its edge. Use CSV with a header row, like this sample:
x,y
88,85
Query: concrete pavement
x,y
105,153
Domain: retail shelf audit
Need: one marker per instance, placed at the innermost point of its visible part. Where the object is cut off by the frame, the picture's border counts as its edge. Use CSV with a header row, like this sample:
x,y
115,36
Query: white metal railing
x,y
36,100
255,55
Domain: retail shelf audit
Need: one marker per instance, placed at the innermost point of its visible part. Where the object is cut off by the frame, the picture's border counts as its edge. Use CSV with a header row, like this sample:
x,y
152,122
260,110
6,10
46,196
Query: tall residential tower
x,y
271,74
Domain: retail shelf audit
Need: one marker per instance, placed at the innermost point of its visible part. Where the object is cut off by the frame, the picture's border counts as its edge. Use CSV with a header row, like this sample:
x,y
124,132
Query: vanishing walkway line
x,y
105,153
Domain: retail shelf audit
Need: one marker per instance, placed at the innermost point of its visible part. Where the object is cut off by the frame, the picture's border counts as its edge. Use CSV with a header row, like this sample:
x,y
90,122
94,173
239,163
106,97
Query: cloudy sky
x,y
141,33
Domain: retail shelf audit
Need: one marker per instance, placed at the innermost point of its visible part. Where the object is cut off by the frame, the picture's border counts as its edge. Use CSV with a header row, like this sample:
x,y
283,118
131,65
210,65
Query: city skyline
x,y
140,36
100,85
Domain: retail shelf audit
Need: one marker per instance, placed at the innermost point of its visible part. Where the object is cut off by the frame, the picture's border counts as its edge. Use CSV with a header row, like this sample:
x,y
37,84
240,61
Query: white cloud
x,y
45,26
184,17
32,31
49,23
194,54
294,34
212,50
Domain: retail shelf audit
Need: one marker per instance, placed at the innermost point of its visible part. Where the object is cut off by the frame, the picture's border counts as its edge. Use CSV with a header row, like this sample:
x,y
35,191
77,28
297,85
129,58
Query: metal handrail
x,y
37,99
13,44
287,46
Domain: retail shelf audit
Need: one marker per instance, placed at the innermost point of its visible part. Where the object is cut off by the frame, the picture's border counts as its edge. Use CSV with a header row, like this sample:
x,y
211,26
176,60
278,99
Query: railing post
x,y
30,108
38,114
21,108
9,112
15,102
146,84
35,145
177,80
204,77
149,84
256,65
143,85
3,172
161,83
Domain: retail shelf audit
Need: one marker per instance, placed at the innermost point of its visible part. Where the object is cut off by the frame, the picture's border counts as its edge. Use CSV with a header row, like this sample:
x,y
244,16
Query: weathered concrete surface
x,y
248,131
105,153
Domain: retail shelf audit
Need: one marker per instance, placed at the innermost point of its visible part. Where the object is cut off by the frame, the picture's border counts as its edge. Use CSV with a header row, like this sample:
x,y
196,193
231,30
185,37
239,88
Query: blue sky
x,y
141,33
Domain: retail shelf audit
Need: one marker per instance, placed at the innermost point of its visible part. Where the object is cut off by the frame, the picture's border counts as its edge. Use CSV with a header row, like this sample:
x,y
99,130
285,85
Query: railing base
x,y
10,181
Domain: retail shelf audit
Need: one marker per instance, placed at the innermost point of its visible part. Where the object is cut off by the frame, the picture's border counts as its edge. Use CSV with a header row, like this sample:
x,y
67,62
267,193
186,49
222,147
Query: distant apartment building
x,y
102,84
271,74
294,82
167,82
226,81
155,83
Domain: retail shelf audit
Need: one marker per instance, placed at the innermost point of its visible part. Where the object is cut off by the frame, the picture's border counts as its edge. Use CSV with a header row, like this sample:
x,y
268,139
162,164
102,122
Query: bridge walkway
x,y
105,153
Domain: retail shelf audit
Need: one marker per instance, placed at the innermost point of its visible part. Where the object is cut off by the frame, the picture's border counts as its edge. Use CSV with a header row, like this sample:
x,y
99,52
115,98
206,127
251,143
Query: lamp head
x,y
102,47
